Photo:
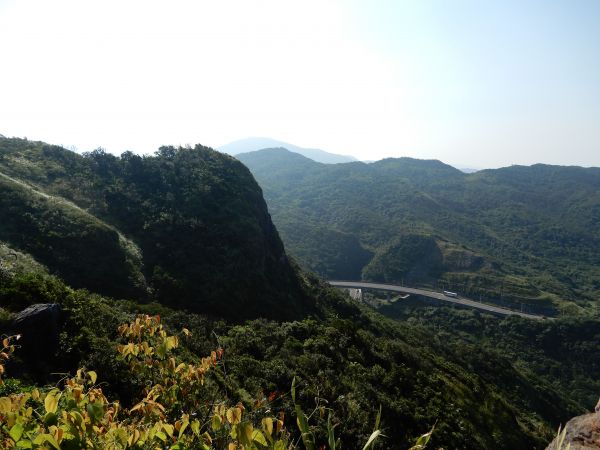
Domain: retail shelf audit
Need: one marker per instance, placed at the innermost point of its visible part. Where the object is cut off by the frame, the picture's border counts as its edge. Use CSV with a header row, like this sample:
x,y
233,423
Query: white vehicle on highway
x,y
450,294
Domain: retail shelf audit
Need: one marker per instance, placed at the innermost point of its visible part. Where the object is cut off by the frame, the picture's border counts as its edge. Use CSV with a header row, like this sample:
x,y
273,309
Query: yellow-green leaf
x,y
168,428
195,426
16,432
248,430
51,401
257,436
184,425
216,423
93,376
41,438
5,405
374,435
234,415
267,424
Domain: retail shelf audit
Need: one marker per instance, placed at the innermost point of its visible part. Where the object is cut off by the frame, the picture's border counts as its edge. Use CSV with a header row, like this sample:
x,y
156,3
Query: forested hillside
x,y
519,235
186,227
185,235
463,373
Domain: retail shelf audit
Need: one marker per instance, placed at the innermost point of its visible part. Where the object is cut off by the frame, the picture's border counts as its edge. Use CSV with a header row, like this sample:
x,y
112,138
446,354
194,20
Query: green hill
x,y
186,227
258,143
518,235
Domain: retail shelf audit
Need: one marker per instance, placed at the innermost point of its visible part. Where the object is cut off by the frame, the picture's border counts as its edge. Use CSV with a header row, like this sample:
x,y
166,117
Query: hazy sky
x,y
474,83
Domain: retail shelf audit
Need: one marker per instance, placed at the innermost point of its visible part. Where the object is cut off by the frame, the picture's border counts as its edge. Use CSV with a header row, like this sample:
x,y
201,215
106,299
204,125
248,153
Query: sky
x,y
474,83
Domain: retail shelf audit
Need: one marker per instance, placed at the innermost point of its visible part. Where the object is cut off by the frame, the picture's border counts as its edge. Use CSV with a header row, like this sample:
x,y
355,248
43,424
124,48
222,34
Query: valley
x,y
517,236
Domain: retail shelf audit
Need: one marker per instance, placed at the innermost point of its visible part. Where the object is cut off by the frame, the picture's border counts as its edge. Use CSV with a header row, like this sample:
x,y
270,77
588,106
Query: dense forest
x,y
185,235
187,227
519,235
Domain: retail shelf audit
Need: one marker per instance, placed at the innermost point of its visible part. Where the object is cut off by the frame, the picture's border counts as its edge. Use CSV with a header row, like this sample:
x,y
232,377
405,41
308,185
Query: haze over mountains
x,y
258,143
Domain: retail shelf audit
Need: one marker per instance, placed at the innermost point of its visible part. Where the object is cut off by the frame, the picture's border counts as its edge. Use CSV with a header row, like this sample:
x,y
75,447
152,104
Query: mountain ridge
x,y
494,214
257,143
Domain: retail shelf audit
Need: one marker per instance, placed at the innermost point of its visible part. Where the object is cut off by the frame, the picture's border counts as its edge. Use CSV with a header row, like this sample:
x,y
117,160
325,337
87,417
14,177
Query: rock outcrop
x,y
583,433
39,327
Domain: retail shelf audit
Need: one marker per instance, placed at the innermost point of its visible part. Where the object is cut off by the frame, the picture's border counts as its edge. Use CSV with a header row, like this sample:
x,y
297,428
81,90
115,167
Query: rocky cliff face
x,y
583,433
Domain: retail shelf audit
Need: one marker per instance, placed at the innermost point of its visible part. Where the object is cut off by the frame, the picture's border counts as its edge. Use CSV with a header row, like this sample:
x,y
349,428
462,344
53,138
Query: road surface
x,y
436,295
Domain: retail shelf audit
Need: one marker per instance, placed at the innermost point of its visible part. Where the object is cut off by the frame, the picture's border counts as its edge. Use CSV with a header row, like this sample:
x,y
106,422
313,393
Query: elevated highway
x,y
435,295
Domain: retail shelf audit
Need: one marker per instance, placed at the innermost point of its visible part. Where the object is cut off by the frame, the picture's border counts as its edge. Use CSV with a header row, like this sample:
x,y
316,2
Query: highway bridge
x,y
435,295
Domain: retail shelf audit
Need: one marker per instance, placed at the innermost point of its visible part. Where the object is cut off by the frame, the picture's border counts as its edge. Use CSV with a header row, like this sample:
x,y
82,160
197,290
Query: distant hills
x,y
259,143
518,235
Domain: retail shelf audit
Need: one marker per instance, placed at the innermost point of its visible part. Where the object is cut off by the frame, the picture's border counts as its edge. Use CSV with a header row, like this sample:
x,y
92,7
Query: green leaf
x,y
307,437
330,433
279,445
184,425
195,426
5,405
93,376
51,400
16,432
257,436
294,390
377,420
96,411
41,438
50,419
216,423
423,440
168,428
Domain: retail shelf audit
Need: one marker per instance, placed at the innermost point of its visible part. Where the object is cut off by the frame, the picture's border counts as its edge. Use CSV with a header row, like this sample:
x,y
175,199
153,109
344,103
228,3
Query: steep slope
x,y
351,359
522,235
83,250
206,241
258,143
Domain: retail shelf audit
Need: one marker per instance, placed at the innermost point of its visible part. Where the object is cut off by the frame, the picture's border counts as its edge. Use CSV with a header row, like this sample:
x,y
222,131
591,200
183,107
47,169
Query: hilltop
x,y
258,143
187,227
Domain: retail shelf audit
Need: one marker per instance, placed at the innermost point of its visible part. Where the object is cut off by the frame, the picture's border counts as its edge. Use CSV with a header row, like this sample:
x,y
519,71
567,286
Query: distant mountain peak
x,y
258,143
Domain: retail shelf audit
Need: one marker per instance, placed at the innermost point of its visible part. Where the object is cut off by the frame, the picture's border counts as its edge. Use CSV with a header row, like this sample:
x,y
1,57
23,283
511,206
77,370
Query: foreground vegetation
x,y
349,360
180,407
